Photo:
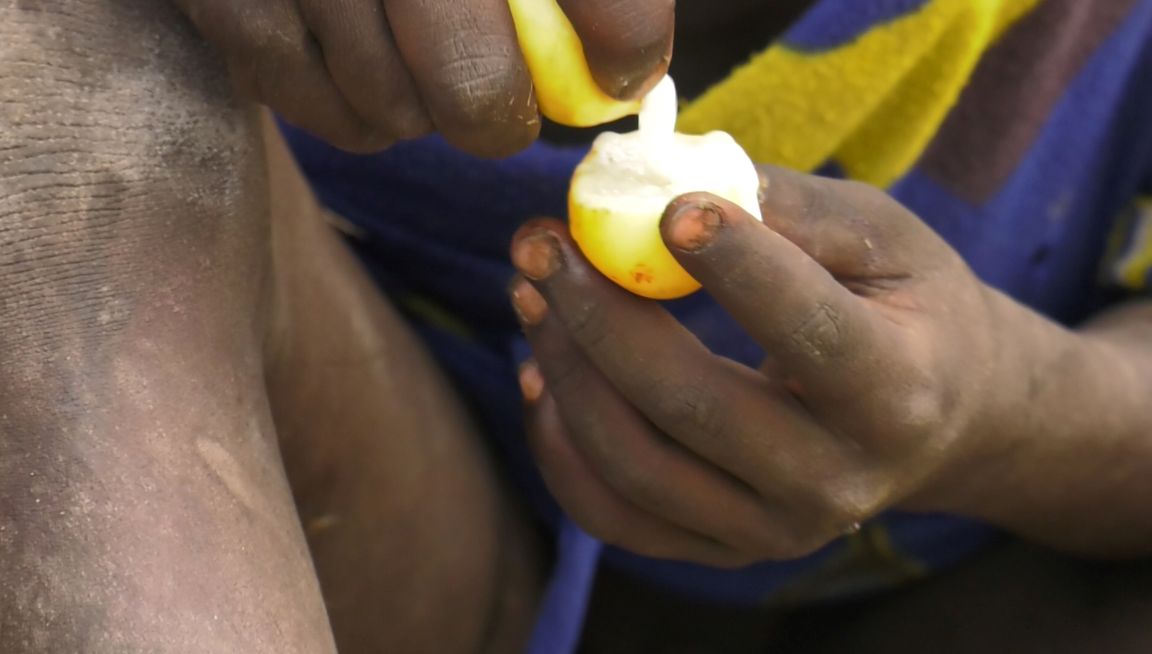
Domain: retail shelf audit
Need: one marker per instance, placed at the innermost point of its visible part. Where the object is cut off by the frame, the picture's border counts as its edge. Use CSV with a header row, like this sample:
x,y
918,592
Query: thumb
x,y
628,43
850,228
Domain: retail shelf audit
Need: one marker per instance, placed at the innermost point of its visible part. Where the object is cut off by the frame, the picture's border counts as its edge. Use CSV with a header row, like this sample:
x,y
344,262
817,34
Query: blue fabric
x,y
436,224
829,25
562,611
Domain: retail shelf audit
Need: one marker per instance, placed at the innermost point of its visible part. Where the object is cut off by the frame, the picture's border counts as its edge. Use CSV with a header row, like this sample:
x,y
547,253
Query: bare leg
x,y
143,507
417,546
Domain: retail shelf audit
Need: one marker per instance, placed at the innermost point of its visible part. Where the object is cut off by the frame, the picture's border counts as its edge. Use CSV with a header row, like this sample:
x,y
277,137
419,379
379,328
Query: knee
x,y
127,170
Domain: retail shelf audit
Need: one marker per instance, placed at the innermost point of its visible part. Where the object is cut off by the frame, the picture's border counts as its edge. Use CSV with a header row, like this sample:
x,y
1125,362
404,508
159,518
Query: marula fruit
x,y
566,92
620,190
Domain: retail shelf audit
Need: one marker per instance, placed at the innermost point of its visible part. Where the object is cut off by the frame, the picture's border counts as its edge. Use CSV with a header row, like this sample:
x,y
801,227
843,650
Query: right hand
x,y
362,74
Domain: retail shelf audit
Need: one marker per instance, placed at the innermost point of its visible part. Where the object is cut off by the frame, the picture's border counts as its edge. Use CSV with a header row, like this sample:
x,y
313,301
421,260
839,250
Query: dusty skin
x,y
162,276
184,340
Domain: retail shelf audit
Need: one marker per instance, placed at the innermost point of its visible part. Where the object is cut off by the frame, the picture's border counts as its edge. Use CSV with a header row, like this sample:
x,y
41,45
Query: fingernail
x,y
537,255
531,381
530,306
693,227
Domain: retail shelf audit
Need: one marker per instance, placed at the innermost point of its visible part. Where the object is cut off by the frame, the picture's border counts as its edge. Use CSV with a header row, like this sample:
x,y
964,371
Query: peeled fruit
x,y
565,89
620,190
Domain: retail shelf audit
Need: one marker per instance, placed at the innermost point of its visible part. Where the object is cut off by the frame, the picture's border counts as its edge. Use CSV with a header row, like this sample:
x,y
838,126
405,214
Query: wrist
x,y
1062,437
1023,373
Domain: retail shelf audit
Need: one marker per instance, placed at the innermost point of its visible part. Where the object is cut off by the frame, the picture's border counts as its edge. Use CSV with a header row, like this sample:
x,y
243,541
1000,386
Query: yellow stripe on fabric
x,y
872,105
1132,270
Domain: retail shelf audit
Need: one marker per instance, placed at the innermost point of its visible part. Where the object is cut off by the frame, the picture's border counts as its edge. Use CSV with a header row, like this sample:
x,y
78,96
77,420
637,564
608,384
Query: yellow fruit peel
x,y
621,247
566,92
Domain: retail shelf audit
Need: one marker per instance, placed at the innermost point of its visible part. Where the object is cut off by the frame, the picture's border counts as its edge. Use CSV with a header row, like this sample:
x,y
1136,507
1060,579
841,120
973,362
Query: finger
x,y
466,61
810,481
855,231
362,58
834,349
727,414
272,56
599,510
628,43
629,455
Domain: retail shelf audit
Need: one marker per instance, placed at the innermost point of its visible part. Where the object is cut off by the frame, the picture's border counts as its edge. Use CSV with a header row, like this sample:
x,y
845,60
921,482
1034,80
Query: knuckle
x,y
820,334
817,195
694,404
588,323
564,373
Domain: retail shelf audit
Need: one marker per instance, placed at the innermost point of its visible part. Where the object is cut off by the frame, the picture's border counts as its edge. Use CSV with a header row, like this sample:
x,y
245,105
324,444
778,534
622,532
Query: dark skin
x,y
361,74
364,73
894,379
183,335
861,349
205,445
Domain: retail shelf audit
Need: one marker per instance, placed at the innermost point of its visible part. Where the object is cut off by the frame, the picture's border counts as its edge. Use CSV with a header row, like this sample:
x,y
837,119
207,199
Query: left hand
x,y
880,384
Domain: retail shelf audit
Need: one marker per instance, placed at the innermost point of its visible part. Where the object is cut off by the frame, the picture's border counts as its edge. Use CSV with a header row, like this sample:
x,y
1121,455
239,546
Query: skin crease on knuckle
x,y
588,323
820,336
693,404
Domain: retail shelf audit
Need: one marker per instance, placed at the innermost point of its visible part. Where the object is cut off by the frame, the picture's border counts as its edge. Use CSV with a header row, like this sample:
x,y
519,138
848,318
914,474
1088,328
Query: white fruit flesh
x,y
642,171
621,189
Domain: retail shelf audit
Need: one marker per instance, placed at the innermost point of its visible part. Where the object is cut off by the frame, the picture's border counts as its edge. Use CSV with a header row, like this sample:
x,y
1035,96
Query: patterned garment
x,y
1021,130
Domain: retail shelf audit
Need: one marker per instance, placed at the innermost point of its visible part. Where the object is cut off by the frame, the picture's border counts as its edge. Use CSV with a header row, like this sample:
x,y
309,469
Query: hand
x,y
880,380
364,73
